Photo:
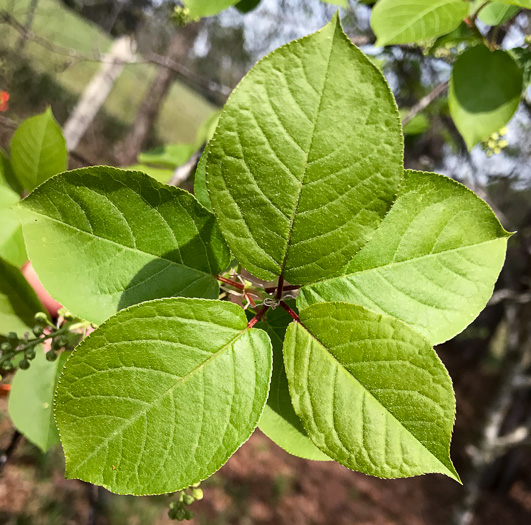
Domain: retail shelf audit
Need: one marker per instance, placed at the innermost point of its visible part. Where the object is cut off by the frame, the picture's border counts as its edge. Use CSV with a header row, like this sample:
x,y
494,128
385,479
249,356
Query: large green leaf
x,y
12,247
405,21
38,150
102,239
200,187
161,395
170,156
306,159
18,302
432,264
279,421
496,13
203,8
485,90
31,400
371,392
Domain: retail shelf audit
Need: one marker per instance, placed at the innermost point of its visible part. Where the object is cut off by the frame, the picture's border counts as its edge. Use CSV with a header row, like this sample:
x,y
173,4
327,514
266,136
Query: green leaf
x,y
522,55
497,13
485,90
102,239
38,150
170,156
521,3
340,3
432,264
12,247
161,395
31,400
7,175
204,8
200,187
246,6
163,175
306,159
279,421
371,392
417,125
18,302
206,130
413,21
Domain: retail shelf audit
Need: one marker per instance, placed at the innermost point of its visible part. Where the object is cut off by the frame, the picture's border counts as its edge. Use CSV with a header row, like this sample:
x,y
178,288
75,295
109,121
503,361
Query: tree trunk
x,y
97,91
136,139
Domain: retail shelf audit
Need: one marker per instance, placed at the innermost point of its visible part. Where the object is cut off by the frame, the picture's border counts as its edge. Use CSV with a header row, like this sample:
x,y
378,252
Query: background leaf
x,y
279,421
485,90
203,8
200,187
306,159
18,302
31,400
432,263
372,394
102,239
413,21
521,3
38,150
160,174
496,13
12,247
161,395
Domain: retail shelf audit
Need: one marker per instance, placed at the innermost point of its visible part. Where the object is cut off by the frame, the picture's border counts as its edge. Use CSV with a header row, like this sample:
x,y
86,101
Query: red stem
x,y
280,287
258,316
250,299
290,311
240,286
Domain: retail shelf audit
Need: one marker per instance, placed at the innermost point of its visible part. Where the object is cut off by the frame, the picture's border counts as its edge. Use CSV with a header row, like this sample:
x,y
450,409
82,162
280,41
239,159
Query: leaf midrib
x,y
306,164
365,389
110,241
149,406
407,261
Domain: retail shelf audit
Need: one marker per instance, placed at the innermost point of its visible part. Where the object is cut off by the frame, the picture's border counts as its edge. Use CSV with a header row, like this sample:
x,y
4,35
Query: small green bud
x,y
41,318
503,131
197,494
195,485
503,143
24,364
188,515
180,514
6,347
38,330
12,338
29,353
51,356
61,341
8,365
181,497
188,500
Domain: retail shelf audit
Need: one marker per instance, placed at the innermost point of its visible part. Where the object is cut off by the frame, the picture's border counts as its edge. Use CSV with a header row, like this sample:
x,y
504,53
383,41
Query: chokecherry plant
x,y
302,184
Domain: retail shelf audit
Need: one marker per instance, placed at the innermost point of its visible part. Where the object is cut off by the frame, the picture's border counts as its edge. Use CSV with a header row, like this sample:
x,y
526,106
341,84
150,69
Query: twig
x,y
15,440
183,172
258,316
424,102
232,283
488,448
293,315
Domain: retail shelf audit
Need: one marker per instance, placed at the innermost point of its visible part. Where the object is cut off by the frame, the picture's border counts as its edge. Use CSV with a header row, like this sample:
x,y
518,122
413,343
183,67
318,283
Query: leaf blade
x,y
330,199
367,388
485,91
97,225
412,21
38,150
122,401
432,264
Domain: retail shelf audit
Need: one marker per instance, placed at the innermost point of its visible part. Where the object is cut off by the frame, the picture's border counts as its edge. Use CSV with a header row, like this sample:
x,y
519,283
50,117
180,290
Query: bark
x,y
149,110
97,91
